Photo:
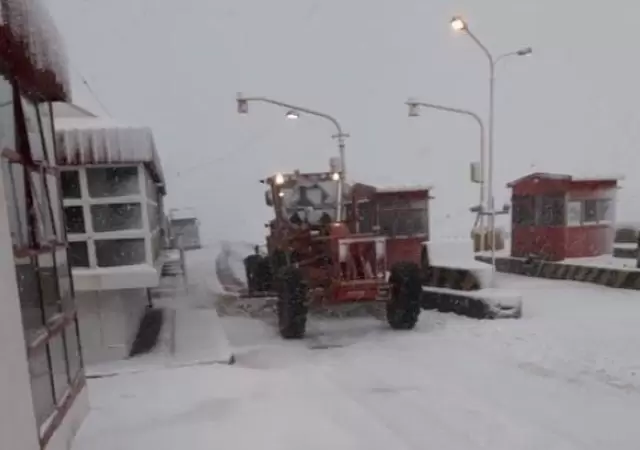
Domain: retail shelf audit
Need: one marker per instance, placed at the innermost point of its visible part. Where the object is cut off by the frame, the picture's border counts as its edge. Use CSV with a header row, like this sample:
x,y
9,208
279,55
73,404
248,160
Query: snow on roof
x,y
565,177
30,27
92,140
405,188
183,213
599,177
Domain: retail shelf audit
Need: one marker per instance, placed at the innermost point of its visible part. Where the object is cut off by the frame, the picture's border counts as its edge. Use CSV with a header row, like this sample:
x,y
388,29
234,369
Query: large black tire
x,y
292,306
251,267
406,291
264,275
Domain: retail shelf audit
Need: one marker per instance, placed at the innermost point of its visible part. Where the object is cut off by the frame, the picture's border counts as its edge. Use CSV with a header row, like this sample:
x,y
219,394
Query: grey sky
x,y
177,65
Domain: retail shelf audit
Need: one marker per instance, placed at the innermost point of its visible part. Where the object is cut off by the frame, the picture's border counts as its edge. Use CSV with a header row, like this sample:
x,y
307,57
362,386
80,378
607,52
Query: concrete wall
x,y
18,430
108,322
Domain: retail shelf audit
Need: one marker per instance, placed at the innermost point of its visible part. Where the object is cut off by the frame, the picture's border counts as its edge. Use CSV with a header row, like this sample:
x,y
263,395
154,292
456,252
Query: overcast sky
x,y
571,107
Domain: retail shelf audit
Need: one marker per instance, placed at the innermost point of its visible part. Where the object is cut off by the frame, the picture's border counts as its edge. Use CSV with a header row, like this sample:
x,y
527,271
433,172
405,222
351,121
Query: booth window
x,y
605,210
402,217
523,210
574,213
550,210
590,211
42,276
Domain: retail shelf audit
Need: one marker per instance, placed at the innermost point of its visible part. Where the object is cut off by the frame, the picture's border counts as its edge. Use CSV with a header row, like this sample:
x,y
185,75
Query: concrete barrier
x,y
605,276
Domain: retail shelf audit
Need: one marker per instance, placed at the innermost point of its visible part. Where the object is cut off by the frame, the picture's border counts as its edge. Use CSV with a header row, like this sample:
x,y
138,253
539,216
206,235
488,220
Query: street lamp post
x,y
293,113
459,24
414,106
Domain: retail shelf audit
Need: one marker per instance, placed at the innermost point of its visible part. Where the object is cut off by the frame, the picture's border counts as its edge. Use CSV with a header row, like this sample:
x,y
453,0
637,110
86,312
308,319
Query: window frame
x,y
51,327
602,216
518,201
147,204
558,218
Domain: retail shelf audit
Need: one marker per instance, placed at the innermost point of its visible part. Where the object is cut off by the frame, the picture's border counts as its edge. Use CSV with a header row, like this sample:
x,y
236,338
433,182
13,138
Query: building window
x,y
41,384
43,211
550,211
63,272
51,301
15,191
70,180
58,353
53,188
574,213
79,254
113,181
399,216
29,292
116,217
74,219
590,211
524,212
365,216
605,210
74,356
35,220
120,252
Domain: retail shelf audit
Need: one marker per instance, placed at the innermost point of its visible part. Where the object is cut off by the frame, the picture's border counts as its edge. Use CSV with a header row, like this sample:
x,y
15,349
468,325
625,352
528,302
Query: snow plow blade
x,y
245,294
480,304
453,281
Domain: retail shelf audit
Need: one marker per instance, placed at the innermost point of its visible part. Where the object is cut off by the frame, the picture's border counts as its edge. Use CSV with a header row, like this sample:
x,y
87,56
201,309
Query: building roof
x,y
32,49
403,188
565,177
182,214
93,140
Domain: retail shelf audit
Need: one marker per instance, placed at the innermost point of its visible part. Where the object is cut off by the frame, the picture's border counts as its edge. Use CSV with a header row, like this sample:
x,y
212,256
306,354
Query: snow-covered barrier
x,y
610,276
454,281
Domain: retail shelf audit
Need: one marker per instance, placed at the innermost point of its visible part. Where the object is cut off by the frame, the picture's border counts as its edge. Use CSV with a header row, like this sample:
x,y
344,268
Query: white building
x,y
112,186
185,226
43,395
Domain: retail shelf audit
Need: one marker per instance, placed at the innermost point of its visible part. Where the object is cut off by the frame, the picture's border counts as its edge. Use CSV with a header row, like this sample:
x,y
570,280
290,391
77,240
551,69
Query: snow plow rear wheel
x,y
292,308
406,291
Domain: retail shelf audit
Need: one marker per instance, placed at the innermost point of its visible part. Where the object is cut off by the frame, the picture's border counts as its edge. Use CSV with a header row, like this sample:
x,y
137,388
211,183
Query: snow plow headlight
x,y
279,179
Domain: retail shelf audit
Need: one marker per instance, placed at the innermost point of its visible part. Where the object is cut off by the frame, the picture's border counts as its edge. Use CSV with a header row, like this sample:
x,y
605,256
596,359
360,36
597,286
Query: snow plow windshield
x,y
311,198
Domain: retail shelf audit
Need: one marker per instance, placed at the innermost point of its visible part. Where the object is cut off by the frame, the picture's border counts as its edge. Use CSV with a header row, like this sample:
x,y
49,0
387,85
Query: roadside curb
x,y
609,277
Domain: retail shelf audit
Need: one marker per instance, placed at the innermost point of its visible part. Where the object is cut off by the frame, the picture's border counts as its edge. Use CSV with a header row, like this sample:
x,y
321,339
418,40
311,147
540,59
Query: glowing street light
x,y
292,114
458,24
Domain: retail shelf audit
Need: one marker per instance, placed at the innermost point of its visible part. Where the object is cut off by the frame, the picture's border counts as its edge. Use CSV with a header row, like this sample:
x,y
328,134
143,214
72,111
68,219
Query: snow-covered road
x,y
565,376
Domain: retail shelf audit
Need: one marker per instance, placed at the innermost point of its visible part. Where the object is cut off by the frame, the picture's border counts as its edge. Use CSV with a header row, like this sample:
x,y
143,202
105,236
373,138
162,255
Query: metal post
x,y
460,25
492,218
413,103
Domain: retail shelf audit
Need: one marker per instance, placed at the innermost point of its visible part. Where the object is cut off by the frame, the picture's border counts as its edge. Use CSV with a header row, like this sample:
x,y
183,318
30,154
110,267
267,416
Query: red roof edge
x,y
32,51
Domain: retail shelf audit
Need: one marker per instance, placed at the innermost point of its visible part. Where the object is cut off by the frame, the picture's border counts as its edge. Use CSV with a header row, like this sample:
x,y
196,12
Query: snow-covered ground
x,y
565,376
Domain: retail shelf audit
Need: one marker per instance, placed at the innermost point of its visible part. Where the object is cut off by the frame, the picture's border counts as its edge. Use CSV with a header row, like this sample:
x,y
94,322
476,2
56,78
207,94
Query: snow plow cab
x,y
319,250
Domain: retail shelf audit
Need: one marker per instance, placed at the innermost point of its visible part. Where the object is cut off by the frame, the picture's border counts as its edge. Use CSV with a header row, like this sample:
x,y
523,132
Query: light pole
x,y
459,24
293,112
414,111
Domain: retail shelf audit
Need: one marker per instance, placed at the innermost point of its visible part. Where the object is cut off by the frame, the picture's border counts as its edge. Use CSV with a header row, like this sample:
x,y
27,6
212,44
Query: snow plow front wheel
x,y
292,308
406,290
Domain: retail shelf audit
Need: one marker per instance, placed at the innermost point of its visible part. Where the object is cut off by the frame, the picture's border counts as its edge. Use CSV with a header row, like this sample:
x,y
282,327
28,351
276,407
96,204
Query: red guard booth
x,y
400,213
558,216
